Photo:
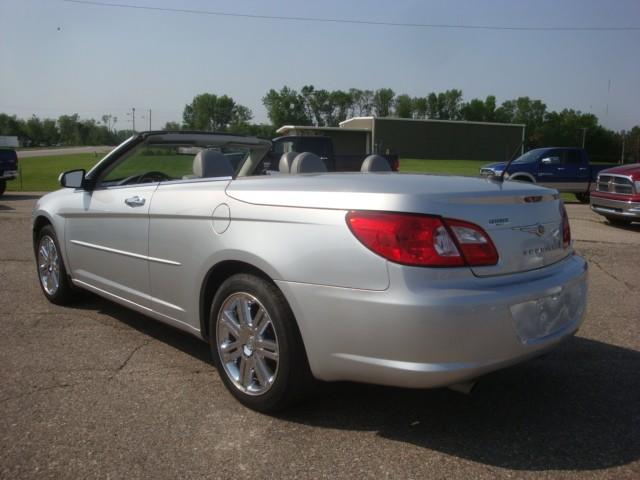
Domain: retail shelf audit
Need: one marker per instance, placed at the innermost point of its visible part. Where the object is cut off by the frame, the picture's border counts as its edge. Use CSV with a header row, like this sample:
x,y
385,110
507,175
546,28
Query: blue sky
x,y
107,60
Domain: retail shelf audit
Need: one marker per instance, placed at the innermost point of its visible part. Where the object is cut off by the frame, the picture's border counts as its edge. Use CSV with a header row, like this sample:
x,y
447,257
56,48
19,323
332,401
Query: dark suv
x,y
8,167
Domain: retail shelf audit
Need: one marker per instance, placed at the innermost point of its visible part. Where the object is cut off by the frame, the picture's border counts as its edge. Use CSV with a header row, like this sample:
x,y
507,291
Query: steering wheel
x,y
146,177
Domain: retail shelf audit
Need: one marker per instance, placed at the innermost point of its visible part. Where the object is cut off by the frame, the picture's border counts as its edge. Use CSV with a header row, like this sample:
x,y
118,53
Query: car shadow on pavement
x,y
577,408
633,227
170,336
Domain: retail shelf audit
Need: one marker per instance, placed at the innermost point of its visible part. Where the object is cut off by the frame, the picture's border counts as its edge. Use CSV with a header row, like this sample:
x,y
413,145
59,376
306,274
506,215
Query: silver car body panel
x,y
361,317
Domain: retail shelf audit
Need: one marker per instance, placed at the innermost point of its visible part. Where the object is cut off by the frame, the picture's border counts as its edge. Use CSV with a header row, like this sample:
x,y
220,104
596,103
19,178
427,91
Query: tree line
x,y
320,107
65,130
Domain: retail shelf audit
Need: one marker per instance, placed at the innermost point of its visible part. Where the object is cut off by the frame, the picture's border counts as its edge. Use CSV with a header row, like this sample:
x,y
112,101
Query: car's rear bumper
x,y
8,174
421,333
615,208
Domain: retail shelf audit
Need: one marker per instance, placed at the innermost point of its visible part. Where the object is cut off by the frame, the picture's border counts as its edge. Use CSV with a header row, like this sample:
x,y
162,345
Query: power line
x,y
354,22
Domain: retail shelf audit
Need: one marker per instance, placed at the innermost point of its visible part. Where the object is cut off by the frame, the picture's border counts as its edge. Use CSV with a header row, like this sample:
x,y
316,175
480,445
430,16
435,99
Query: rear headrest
x,y
308,162
284,166
211,163
375,163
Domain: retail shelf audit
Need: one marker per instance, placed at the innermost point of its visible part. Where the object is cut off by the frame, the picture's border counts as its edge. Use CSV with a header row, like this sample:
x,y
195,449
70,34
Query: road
x,y
96,391
47,152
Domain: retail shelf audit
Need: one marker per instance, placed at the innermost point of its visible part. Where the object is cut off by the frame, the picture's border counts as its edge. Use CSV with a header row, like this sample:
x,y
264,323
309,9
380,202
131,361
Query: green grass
x,y
452,167
40,174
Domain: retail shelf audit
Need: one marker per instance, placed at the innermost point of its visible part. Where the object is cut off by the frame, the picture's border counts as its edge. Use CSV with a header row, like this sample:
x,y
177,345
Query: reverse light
x,y
422,240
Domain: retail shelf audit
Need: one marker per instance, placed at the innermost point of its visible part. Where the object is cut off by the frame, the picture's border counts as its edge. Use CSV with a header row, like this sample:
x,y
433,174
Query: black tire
x,y
63,294
620,222
292,376
3,186
583,197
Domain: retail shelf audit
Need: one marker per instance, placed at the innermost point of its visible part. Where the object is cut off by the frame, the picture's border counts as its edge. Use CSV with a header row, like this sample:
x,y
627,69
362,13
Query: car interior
x,y
177,157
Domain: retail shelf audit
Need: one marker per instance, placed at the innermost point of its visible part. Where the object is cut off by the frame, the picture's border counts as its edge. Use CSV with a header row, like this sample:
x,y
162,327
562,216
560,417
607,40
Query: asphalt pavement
x,y
97,391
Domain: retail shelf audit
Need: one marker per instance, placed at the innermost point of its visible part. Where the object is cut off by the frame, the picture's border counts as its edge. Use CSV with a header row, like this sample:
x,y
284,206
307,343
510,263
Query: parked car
x,y
617,194
562,168
8,167
323,147
407,280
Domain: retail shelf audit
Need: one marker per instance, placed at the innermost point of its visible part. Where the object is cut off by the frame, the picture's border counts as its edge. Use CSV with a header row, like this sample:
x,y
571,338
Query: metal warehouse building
x,y
428,139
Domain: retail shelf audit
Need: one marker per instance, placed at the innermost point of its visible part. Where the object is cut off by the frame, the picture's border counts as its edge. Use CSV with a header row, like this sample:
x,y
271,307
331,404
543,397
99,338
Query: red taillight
x,y
422,240
566,229
395,166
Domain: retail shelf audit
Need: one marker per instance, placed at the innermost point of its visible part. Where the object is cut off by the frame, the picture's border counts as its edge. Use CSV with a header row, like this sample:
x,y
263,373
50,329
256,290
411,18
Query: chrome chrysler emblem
x,y
538,229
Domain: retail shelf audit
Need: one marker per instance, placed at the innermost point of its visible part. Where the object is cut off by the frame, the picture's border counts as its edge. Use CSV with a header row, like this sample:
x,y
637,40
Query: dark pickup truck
x,y
323,147
8,167
566,169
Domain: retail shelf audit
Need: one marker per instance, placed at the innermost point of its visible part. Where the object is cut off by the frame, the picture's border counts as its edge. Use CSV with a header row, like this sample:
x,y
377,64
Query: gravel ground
x,y
97,391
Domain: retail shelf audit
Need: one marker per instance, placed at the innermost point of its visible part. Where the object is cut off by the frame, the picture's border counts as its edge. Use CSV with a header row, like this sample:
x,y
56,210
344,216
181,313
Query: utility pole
x,y
584,136
622,154
149,119
133,118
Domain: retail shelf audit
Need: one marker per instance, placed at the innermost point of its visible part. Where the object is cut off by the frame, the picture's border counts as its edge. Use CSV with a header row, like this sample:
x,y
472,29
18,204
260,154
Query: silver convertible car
x,y
297,273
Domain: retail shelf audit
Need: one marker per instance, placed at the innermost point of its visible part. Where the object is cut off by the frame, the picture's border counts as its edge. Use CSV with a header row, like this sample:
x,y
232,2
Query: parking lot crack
x,y
129,357
611,275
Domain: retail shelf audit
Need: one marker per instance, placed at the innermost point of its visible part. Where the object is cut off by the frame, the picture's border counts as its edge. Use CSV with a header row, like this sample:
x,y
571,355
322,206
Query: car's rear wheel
x,y
583,197
256,344
51,270
3,186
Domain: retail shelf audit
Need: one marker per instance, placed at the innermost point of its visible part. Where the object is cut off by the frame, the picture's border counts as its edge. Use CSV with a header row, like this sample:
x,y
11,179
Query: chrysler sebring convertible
x,y
299,274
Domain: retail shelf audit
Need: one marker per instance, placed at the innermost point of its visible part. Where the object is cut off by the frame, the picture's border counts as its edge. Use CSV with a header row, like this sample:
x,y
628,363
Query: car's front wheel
x,y
3,186
51,270
256,344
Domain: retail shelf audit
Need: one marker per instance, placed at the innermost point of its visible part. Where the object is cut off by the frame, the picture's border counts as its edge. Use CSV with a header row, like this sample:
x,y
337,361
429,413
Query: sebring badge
x,y
538,229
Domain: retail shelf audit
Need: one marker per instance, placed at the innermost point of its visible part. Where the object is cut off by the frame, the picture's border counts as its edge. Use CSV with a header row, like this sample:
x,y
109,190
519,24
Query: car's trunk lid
x,y
524,221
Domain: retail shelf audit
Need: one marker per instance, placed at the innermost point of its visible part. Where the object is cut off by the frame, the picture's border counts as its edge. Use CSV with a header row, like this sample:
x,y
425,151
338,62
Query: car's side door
x,y
188,220
551,170
107,235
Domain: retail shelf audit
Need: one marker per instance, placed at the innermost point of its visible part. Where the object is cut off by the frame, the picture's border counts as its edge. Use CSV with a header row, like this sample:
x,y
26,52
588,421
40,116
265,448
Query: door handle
x,y
135,201
560,168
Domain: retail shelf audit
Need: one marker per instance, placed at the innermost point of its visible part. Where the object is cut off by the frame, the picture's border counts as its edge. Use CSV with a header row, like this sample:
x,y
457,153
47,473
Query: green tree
x,y
12,126
451,104
383,102
50,133
342,103
404,106
172,126
480,111
361,102
527,111
211,112
420,107
68,128
34,130
285,107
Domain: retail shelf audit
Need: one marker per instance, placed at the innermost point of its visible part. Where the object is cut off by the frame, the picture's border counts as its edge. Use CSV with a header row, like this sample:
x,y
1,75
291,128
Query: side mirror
x,y
72,179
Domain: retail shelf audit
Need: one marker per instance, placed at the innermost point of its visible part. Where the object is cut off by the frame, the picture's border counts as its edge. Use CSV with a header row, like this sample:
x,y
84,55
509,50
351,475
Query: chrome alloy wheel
x,y
247,343
48,265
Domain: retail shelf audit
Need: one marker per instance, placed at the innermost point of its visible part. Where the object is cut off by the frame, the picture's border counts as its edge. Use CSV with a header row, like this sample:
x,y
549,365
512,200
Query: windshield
x,y
529,157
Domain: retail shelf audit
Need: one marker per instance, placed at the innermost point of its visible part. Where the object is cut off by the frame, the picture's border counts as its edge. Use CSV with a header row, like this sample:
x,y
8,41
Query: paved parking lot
x,y
98,391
